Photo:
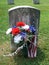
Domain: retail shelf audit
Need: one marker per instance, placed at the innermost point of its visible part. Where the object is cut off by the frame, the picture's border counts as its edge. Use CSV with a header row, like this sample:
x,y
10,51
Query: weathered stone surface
x,y
28,14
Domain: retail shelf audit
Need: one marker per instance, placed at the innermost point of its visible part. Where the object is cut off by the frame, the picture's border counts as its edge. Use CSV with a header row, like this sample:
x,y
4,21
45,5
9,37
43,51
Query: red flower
x,y
20,23
15,31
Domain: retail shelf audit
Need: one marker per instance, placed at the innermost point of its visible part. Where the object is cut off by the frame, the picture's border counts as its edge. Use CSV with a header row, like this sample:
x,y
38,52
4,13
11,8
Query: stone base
x,y
36,2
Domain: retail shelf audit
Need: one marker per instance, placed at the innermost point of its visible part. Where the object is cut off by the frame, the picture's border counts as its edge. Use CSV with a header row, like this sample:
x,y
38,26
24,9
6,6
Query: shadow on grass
x,y
27,61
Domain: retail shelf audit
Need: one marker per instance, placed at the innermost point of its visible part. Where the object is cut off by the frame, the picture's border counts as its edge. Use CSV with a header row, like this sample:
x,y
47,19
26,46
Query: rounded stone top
x,y
17,7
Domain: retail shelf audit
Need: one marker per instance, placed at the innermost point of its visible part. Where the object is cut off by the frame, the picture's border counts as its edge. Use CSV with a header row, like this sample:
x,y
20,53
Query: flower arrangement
x,y
25,33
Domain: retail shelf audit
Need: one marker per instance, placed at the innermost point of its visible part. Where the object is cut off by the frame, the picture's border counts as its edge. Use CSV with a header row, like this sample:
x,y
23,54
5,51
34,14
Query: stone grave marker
x,y
10,2
36,1
29,15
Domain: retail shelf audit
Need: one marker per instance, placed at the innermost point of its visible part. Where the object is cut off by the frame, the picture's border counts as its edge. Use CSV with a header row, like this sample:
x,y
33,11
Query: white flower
x,y
9,31
17,38
26,27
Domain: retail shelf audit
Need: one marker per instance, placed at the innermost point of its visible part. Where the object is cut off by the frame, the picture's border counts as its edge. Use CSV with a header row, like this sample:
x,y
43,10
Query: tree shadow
x,y
21,60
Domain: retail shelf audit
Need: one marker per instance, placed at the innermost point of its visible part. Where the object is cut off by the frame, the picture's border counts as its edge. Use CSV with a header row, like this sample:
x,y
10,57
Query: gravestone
x,y
36,1
10,1
28,14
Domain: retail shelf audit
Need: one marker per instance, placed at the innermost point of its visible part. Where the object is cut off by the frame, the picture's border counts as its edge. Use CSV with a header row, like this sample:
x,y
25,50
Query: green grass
x,y
43,44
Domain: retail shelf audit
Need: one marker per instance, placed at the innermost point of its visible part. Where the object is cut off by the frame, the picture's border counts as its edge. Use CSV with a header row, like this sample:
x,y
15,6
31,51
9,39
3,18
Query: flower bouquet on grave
x,y
26,34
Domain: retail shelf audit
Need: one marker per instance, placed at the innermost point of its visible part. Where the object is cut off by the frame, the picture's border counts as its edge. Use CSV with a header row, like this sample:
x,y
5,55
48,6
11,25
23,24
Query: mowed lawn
x,y
43,43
